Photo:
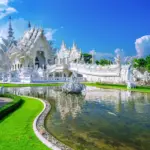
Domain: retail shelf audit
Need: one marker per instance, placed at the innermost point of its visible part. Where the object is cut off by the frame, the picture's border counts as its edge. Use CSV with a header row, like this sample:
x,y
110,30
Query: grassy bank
x,y
119,86
10,106
27,85
99,85
16,132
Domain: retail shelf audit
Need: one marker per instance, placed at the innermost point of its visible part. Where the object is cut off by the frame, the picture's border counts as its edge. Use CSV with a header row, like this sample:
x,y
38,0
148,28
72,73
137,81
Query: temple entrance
x,y
40,60
37,62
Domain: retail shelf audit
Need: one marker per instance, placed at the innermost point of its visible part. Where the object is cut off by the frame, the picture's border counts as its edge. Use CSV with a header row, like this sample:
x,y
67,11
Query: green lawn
x,y
16,132
29,84
119,86
100,85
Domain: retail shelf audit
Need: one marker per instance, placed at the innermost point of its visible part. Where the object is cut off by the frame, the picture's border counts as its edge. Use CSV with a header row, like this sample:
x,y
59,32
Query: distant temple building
x,y
66,56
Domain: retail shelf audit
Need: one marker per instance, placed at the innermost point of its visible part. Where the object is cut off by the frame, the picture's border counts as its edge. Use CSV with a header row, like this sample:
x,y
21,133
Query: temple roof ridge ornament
x,y
29,25
10,30
74,46
63,46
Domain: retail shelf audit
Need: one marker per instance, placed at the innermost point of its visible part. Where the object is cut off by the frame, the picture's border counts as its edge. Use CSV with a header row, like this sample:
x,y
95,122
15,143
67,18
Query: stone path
x,y
4,100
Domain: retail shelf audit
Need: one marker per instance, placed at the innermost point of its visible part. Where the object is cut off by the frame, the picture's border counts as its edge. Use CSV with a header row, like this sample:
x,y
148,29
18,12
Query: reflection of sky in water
x,y
102,119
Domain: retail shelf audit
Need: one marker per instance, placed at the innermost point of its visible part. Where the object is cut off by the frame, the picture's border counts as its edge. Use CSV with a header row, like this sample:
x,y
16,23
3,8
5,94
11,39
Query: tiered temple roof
x,y
28,40
72,54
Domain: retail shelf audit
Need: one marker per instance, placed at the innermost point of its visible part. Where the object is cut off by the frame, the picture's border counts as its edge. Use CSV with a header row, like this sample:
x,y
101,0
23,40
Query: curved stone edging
x,y
40,131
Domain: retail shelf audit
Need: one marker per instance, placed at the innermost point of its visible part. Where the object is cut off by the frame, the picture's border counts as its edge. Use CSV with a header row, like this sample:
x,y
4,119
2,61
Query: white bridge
x,y
87,69
114,73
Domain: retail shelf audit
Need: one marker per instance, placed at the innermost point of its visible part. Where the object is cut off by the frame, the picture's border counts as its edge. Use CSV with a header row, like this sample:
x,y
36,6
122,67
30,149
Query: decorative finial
x,y
74,45
29,25
10,30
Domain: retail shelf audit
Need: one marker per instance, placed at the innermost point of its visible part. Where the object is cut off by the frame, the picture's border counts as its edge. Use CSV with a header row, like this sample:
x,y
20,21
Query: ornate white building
x,y
33,50
32,59
66,56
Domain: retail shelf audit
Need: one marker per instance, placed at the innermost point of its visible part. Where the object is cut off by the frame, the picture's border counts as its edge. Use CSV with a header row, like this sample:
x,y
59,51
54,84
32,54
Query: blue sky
x,y
100,24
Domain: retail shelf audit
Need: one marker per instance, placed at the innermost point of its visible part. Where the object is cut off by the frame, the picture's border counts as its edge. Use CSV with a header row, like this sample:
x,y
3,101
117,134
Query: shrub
x,y
148,67
10,107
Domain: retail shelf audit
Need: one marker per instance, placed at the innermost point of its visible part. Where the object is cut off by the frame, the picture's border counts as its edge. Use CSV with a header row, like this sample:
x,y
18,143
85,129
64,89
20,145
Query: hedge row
x,y
11,106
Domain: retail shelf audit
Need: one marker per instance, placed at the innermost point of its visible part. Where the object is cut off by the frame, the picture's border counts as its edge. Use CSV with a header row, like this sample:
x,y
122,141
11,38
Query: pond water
x,y
103,119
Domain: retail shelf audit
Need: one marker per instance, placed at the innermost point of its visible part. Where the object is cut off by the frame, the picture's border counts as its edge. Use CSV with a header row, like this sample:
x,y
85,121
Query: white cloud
x,y
5,9
7,12
49,33
3,2
142,46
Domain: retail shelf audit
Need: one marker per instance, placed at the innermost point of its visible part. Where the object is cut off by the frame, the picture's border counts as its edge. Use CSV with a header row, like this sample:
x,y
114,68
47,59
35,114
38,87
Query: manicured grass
x,y
16,132
119,86
27,85
100,85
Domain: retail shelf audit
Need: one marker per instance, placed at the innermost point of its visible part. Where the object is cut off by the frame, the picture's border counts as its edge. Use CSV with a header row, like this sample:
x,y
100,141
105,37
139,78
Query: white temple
x,y
33,59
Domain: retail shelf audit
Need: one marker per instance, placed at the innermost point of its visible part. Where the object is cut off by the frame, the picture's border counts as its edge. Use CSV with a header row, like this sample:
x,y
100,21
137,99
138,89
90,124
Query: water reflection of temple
x,y
121,100
71,104
66,103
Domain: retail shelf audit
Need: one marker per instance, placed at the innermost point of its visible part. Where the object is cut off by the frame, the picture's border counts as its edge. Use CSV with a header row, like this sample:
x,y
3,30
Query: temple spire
x,y
74,46
10,30
63,45
29,25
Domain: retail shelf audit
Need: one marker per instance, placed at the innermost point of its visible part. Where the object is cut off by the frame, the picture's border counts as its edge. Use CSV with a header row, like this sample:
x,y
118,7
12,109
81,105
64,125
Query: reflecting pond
x,y
102,119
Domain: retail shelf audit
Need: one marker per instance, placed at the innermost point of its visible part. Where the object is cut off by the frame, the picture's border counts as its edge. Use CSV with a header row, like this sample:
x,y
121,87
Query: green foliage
x,y
148,67
29,85
16,131
119,86
104,62
141,63
148,59
97,62
87,58
11,106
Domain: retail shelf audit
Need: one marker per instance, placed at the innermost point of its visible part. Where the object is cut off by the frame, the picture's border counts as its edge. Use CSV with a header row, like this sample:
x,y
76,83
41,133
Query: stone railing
x,y
110,70
56,79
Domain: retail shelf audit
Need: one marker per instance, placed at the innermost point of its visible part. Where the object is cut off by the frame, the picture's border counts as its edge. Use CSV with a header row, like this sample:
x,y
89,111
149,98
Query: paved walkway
x,y
4,100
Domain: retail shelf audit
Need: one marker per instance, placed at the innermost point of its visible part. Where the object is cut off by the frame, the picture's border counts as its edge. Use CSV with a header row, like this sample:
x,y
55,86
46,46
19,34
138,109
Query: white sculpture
x,y
93,53
146,77
130,83
73,86
118,59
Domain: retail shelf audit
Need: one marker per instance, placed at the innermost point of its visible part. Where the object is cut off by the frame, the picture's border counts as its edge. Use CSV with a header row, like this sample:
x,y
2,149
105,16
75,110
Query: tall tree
x,y
139,63
104,62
